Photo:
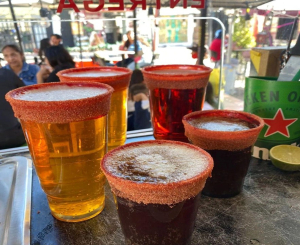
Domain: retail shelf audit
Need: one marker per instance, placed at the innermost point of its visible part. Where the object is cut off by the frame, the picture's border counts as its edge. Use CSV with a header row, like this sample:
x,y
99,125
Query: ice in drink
x,y
119,79
157,185
65,128
228,137
175,90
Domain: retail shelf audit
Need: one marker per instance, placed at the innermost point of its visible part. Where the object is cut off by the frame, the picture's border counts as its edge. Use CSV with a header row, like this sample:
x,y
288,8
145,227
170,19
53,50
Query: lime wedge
x,y
286,157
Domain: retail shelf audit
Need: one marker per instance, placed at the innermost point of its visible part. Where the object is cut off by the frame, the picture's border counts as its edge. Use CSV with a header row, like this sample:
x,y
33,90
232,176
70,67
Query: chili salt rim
x,y
157,193
118,82
176,81
223,140
60,111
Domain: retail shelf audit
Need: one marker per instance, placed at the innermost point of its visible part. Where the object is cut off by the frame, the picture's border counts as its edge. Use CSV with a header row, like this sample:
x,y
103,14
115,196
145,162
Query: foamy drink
x,y
94,74
65,128
157,185
228,137
119,79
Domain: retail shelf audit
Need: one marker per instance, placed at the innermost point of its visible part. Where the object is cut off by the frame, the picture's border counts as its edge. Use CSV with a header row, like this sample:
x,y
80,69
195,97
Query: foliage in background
x,y
242,35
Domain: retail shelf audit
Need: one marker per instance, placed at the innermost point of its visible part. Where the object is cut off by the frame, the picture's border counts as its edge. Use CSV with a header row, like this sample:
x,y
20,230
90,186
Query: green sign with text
x,y
278,103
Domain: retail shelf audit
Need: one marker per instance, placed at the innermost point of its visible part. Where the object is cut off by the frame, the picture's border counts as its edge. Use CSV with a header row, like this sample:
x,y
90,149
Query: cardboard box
x,y
265,61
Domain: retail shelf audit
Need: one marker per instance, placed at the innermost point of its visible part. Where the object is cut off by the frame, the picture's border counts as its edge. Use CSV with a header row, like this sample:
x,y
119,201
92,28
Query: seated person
x,y
95,39
16,63
44,44
57,58
129,45
10,128
136,78
140,118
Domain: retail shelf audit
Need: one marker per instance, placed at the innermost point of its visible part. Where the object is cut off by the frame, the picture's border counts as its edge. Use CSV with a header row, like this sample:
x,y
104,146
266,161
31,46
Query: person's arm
x,y
145,42
139,97
39,78
42,74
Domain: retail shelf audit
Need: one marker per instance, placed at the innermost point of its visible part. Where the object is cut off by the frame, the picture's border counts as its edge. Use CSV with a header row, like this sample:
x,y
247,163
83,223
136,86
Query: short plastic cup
x,y
157,185
175,90
116,77
228,137
65,127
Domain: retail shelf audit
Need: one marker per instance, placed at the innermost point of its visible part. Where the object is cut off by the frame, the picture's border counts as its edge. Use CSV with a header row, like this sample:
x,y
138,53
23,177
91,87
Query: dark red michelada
x,y
157,185
228,136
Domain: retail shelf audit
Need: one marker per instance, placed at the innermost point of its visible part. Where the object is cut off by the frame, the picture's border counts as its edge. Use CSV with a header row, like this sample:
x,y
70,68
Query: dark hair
x,y
136,77
58,55
15,48
138,88
44,44
57,36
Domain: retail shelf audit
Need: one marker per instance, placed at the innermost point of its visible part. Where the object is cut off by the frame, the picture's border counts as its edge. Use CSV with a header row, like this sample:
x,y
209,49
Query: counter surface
x,y
266,212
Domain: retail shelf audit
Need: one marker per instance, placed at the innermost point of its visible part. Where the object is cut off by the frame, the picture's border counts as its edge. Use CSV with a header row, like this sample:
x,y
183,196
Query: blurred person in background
x,y
138,103
126,61
57,58
129,45
95,39
119,35
44,44
55,39
215,47
16,62
10,128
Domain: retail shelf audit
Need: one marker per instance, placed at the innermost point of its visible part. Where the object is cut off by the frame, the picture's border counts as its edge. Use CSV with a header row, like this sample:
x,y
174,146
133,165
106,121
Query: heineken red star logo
x,y
279,124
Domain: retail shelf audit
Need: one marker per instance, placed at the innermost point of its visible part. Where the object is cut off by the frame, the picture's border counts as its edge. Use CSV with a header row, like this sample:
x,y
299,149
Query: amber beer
x,y
65,128
119,79
175,90
157,185
228,137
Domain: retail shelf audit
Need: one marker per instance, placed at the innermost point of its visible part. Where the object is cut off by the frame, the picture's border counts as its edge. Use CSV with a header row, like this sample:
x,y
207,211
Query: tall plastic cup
x,y
65,126
116,77
157,185
175,90
228,137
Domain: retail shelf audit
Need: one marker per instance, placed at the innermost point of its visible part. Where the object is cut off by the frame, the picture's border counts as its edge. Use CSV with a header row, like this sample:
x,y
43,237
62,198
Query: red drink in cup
x,y
175,90
228,137
157,185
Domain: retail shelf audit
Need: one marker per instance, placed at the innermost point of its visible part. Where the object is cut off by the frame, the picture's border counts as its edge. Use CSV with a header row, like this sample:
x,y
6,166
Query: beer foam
x,y
60,93
229,140
54,103
157,163
117,77
157,171
220,124
177,71
176,76
93,74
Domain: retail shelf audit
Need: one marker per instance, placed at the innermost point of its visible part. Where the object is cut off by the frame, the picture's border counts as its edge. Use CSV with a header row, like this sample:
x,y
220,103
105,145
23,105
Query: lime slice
x,y
286,157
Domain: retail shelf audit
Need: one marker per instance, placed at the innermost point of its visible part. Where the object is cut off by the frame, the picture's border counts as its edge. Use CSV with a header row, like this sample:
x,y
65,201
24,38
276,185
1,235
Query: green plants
x,y
242,35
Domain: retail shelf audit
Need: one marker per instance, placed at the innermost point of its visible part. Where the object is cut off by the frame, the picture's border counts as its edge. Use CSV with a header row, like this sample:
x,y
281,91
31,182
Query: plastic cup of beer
x,y
175,90
228,137
116,77
157,185
65,127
